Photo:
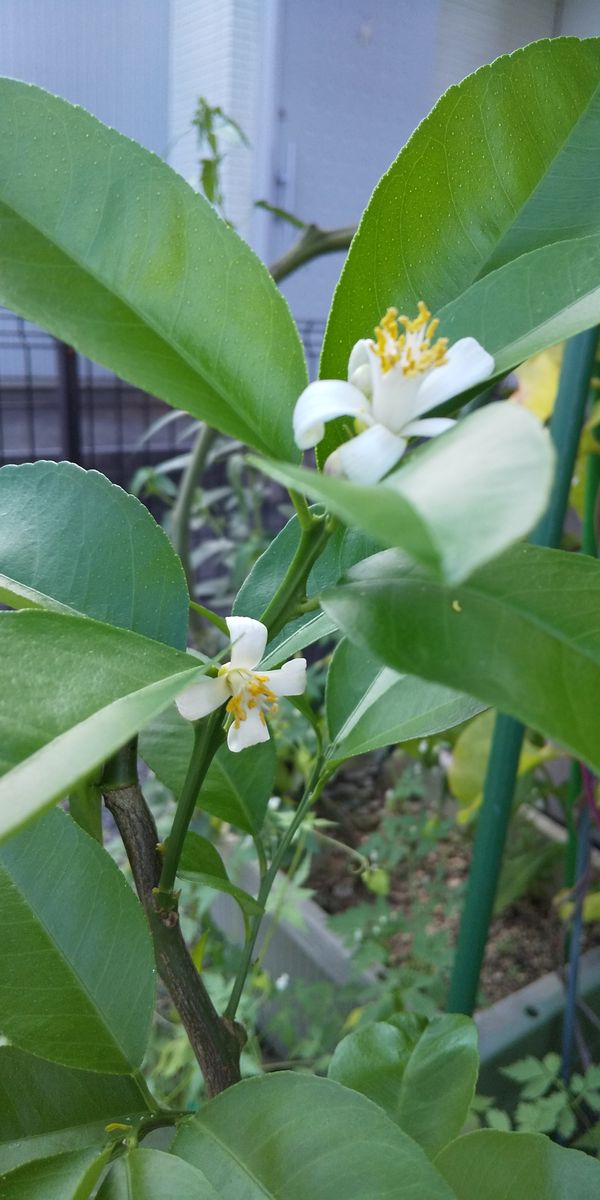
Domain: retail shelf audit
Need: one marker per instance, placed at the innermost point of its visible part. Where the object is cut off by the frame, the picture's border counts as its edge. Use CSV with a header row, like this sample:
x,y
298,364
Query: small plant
x,y
547,1103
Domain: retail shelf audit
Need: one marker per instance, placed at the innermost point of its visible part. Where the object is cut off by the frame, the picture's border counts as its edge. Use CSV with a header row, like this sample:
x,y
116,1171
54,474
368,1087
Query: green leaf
x,y
344,548
201,862
76,960
521,634
237,788
109,249
541,299
494,1165
68,1176
458,501
46,1108
537,1077
427,1087
497,1119
85,807
369,706
70,539
519,872
73,691
154,1175
481,182
296,1137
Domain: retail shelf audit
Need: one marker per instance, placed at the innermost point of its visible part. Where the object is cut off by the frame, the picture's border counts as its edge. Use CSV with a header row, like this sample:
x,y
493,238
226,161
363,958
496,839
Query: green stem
x,y
305,517
501,776
261,855
208,735
292,588
312,792
181,513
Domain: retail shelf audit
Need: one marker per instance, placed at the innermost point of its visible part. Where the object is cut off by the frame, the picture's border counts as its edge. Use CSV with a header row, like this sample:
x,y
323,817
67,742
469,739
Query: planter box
x,y
526,1022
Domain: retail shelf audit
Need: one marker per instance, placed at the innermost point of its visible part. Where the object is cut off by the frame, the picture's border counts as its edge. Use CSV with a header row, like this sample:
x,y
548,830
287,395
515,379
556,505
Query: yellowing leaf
x,y
565,906
468,765
538,382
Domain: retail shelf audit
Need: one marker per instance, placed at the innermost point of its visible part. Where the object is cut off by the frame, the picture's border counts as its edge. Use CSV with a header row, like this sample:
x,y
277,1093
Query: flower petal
x,y
321,402
467,364
395,396
290,679
248,732
368,457
428,427
202,698
360,366
248,641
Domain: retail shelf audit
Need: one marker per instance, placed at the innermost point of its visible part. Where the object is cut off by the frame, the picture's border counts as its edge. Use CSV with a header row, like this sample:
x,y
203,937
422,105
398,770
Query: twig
x,y
215,1041
312,243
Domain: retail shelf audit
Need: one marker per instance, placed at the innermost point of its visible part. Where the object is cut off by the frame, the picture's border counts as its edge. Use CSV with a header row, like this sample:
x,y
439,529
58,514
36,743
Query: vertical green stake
x,y
501,777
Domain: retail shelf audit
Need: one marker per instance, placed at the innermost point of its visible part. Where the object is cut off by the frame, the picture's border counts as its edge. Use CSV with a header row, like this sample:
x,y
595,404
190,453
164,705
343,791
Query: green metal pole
x,y
501,777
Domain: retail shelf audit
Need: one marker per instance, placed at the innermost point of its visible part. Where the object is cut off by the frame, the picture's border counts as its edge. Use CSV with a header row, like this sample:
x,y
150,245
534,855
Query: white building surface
x,y
326,90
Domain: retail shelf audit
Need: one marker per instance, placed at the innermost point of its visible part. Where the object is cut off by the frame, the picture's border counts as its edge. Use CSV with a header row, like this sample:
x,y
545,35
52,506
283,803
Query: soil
x,y
525,941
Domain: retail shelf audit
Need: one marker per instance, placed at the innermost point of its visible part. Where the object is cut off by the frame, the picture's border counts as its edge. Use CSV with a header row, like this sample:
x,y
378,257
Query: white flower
x,y
391,382
248,695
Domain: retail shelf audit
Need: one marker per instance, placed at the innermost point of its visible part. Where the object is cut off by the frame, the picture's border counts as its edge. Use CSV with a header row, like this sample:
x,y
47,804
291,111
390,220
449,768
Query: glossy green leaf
x,y
70,539
499,168
344,548
521,634
524,1166
425,1083
458,501
73,691
69,1176
296,1137
369,705
541,299
201,862
46,1109
237,788
109,249
153,1175
76,960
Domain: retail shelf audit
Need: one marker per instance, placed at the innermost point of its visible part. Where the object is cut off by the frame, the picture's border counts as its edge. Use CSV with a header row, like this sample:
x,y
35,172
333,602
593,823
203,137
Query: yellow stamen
x,y
413,349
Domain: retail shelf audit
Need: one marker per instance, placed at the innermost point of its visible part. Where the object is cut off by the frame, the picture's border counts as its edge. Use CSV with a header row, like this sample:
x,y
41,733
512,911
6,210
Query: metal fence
x,y
57,404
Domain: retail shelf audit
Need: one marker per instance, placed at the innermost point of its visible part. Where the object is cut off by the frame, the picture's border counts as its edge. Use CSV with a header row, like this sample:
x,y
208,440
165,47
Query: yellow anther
x,y
412,349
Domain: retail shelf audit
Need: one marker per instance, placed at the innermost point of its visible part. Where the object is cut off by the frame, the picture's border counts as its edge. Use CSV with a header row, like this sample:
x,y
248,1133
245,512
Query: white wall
x,y
107,55
354,80
473,32
213,53
580,17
